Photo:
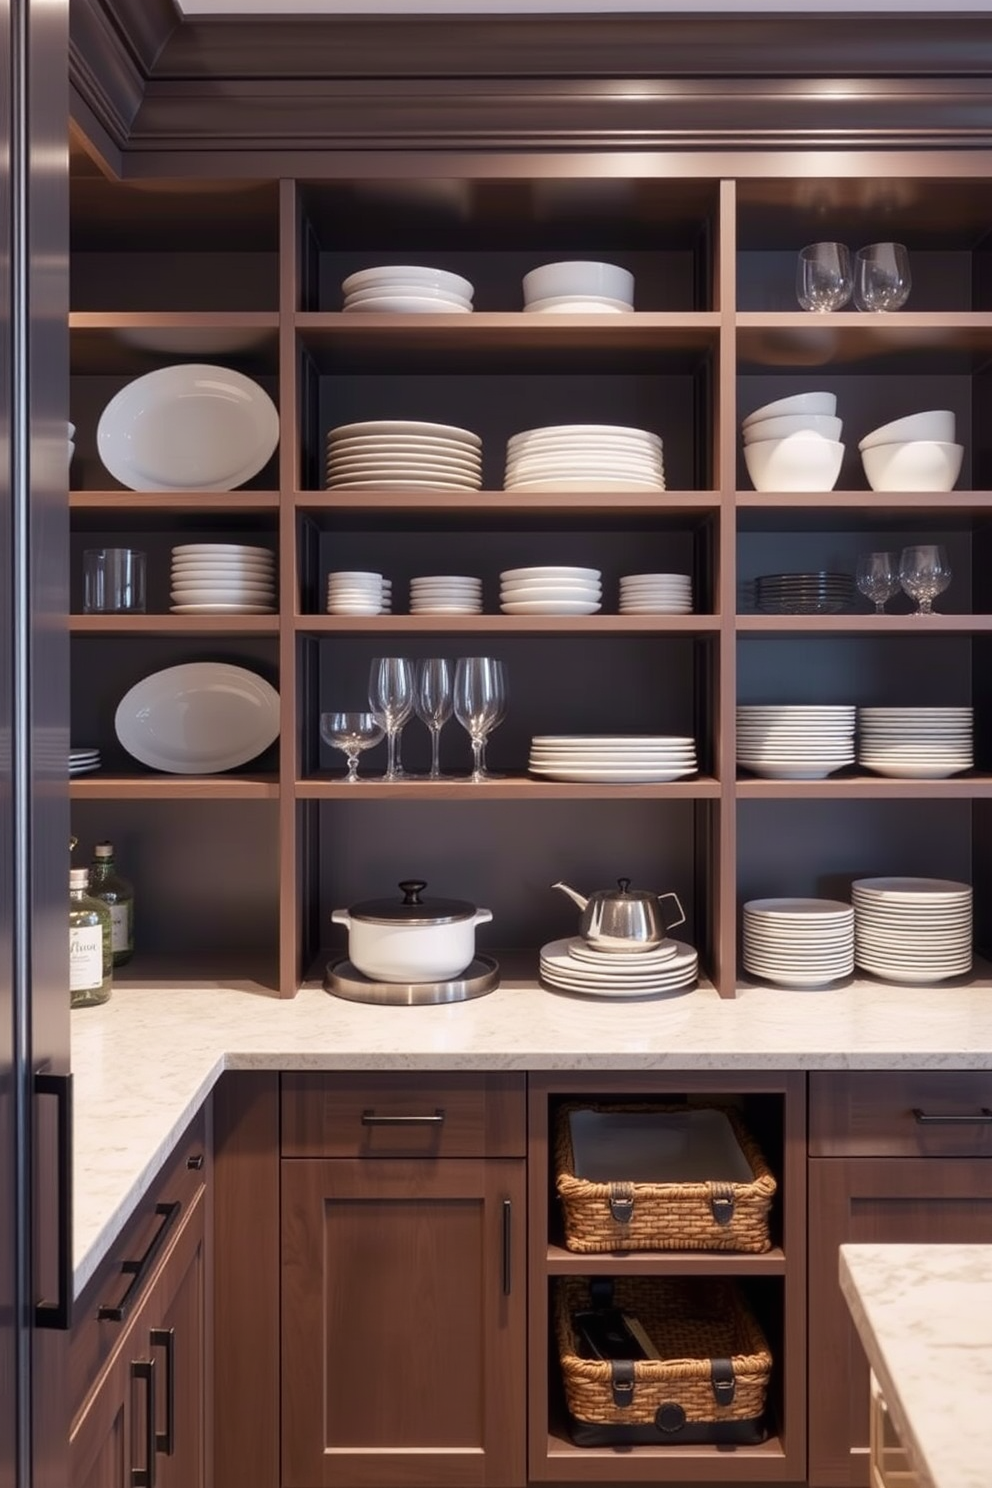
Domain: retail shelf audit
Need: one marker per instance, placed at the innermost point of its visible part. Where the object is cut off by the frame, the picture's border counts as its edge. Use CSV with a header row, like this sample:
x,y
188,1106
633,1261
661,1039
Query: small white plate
x,y
348,484
408,426
406,305
584,484
551,607
222,609
612,775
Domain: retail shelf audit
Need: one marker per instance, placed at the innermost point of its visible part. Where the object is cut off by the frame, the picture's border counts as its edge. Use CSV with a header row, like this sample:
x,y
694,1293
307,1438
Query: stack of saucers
x,y
403,455
83,760
407,289
912,929
792,742
612,758
798,942
915,743
656,594
573,965
556,590
820,593
584,457
354,592
446,594
222,579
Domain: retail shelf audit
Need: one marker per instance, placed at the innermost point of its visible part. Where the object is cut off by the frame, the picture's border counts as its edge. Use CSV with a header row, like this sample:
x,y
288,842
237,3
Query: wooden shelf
x,y
567,1463
105,343
867,503
909,625
562,1262
677,625
512,788
165,625
137,503
938,341
469,505
110,787
866,787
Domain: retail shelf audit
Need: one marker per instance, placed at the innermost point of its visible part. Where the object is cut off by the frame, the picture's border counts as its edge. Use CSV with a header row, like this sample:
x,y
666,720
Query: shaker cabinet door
x,y
403,1323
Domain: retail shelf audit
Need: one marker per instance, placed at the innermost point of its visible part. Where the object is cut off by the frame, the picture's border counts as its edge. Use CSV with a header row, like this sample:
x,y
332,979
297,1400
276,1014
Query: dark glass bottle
x,y
107,885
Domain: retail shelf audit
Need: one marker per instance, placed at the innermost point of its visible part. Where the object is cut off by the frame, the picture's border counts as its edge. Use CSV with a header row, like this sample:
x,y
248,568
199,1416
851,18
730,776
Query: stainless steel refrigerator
x,y
35,1098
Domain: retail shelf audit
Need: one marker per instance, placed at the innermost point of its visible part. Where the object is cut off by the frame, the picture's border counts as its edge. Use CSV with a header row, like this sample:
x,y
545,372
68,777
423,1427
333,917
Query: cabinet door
x,y
175,1337
112,1442
403,1323
874,1201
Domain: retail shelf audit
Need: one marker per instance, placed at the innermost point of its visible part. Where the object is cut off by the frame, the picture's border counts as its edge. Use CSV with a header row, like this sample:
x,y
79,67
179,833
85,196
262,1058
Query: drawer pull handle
x,y
139,1269
507,1247
369,1118
982,1117
144,1477
195,1163
165,1338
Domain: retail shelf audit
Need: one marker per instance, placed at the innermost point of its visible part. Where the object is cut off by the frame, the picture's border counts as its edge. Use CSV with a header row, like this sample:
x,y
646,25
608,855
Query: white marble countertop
x,y
144,1062
924,1315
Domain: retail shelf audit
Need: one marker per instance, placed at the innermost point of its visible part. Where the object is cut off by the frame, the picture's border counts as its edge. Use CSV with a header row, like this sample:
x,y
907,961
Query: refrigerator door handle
x,y
58,1314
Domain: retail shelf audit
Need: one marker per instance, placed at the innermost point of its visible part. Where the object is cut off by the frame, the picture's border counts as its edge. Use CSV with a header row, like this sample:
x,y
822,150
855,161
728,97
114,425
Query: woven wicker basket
x,y
692,1321
663,1216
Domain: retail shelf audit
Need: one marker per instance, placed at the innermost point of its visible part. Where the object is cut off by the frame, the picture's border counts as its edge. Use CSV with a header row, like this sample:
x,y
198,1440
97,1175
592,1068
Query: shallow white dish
x,y
192,427
590,483
405,304
612,775
219,549
614,741
550,607
796,403
581,431
363,445
408,274
447,432
432,463
582,950
350,483
577,305
550,572
222,609
198,718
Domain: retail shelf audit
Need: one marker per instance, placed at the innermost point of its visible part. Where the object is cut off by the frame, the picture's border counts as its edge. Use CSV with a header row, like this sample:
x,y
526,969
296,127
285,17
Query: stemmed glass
x,y
924,572
391,701
480,703
882,279
823,276
351,733
878,578
433,703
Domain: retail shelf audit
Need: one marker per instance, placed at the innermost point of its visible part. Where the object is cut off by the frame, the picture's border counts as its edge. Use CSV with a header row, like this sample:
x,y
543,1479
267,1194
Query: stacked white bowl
x,y
83,760
794,443
577,287
407,289
584,457
916,743
912,929
550,590
785,741
446,594
403,455
915,453
222,579
656,594
616,759
355,592
798,942
574,965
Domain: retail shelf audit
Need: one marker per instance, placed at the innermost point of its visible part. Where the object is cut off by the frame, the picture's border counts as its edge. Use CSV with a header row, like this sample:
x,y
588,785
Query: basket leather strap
x,y
622,1382
622,1202
722,1380
601,1291
722,1202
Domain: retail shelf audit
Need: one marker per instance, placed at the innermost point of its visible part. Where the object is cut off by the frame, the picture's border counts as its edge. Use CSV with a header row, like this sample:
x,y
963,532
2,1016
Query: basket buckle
x,y
622,1202
622,1382
722,1203
722,1380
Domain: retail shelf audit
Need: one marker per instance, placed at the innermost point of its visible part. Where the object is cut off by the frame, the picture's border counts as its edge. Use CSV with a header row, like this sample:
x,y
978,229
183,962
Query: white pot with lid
x,y
412,939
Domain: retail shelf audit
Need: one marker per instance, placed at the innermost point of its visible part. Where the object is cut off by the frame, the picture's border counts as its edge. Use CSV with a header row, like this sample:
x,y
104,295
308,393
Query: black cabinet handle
x,y
195,1163
507,1247
144,1477
165,1338
981,1117
116,1313
369,1118
58,1314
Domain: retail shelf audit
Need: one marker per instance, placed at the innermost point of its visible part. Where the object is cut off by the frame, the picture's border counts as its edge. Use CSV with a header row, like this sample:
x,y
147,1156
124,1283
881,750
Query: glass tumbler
x,y
113,581
824,280
882,278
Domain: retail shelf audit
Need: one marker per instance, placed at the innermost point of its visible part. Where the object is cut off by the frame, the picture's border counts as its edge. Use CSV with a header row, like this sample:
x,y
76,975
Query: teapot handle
x,y
681,920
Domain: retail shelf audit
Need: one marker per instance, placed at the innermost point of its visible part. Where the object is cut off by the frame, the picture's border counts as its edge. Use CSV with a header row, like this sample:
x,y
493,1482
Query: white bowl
x,y
936,423
794,464
814,425
577,305
607,281
916,465
394,274
798,403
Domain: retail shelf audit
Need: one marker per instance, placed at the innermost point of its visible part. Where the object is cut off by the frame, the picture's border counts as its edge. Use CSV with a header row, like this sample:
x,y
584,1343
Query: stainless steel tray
x,y
342,980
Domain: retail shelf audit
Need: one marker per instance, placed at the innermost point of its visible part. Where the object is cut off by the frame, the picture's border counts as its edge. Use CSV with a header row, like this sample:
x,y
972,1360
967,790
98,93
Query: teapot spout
x,y
576,898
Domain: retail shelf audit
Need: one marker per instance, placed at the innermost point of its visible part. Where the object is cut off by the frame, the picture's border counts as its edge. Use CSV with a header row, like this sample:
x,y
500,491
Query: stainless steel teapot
x,y
623,919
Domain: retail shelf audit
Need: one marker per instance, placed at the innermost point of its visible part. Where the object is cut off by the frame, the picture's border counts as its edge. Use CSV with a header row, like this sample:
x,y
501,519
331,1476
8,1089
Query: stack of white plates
x,y
791,742
612,758
804,593
915,743
82,761
353,592
222,579
407,289
556,590
798,942
912,929
656,594
584,457
446,594
403,455
573,966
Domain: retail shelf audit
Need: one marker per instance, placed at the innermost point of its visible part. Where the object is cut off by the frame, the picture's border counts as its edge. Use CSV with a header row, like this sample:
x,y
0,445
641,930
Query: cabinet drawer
x,y
403,1115
901,1114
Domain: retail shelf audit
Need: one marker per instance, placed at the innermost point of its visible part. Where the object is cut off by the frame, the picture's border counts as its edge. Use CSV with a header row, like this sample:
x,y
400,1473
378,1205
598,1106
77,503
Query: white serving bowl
x,y
794,464
394,274
814,425
916,465
577,305
607,281
797,403
935,423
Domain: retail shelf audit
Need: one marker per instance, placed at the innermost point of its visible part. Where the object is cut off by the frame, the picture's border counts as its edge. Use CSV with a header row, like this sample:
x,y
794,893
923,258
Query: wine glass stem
x,y
392,737
880,607
435,753
926,607
478,757
352,774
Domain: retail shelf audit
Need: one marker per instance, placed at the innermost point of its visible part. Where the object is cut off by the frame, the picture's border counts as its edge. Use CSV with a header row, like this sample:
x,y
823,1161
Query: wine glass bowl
x,y
924,572
391,693
877,578
480,705
824,278
434,703
351,733
882,277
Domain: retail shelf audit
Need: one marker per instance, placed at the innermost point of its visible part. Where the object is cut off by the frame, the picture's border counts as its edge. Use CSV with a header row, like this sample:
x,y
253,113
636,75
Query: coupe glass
x,y
391,701
924,573
882,279
480,704
878,578
434,703
352,733
824,280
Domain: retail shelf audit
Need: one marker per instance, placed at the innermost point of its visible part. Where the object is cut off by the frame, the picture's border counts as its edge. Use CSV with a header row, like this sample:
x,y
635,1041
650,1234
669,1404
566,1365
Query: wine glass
x,y
433,703
824,280
391,701
352,733
480,704
882,279
924,572
878,578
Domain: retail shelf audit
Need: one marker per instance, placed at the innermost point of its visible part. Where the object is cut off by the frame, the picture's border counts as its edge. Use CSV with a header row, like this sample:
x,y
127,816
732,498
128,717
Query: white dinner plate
x,y
577,948
220,594
585,483
219,550
612,775
447,432
191,427
658,607
198,718
611,741
551,607
397,444
222,609
580,431
907,890
407,305
917,772
225,562
349,484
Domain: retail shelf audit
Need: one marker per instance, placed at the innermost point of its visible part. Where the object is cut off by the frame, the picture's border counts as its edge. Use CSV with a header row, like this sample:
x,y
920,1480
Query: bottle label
x,y
85,958
120,927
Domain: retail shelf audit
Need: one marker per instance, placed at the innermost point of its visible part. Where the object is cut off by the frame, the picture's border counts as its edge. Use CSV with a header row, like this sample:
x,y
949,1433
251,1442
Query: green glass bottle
x,y
91,964
117,894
